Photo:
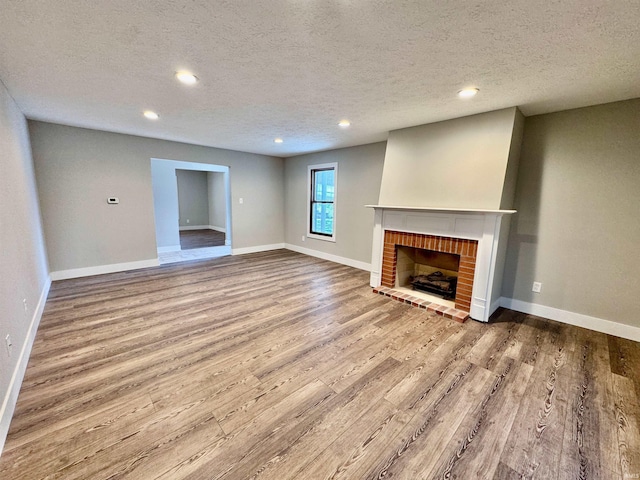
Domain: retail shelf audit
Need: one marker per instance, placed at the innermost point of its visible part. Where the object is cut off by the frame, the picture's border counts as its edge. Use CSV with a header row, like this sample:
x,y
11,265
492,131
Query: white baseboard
x,y
170,248
202,227
193,227
328,256
11,396
257,248
101,269
572,318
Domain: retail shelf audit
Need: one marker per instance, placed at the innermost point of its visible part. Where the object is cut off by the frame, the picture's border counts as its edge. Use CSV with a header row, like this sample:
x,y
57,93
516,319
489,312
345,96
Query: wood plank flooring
x,y
190,239
282,366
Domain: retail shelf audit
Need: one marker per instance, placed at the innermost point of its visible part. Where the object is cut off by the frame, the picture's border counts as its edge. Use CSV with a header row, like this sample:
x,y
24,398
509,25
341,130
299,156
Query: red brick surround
x,y
467,249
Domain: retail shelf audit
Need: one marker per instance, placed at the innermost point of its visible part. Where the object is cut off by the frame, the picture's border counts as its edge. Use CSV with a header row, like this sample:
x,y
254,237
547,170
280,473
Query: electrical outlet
x,y
304,238
24,302
537,286
188,220
241,200
9,344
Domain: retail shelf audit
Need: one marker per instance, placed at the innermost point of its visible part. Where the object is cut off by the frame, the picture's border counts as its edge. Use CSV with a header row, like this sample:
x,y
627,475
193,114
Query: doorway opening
x,y
192,210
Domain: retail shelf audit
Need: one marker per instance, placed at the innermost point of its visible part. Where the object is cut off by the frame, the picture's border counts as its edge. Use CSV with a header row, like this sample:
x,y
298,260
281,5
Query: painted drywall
x,y
458,163
506,203
77,169
577,228
23,261
217,201
513,163
165,205
359,175
193,198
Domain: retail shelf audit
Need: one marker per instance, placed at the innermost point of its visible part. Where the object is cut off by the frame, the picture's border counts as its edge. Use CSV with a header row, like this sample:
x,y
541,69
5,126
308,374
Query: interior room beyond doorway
x,y
192,210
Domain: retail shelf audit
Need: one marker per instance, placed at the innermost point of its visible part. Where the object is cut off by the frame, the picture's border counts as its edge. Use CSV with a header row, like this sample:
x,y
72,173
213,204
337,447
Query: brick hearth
x,y
457,315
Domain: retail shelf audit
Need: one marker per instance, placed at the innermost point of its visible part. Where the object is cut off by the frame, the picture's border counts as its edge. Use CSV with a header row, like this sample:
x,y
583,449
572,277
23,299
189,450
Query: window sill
x,y
321,237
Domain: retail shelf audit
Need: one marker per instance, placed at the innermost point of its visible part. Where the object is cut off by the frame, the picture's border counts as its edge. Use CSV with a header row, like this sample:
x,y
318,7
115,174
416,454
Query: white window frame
x,y
310,169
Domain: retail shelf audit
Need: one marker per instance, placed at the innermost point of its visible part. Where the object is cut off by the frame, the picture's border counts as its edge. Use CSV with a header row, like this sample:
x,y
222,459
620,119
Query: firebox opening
x,y
427,272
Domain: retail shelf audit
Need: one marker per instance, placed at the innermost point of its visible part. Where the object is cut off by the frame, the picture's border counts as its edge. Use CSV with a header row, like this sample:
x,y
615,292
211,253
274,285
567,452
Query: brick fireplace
x,y
479,237
466,249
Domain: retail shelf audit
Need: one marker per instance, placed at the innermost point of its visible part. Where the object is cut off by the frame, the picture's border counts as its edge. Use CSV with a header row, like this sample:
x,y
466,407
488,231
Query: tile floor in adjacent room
x,y
193,254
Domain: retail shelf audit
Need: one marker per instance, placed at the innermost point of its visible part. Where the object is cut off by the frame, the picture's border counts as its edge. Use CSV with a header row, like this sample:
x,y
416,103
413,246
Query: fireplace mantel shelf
x,y
442,209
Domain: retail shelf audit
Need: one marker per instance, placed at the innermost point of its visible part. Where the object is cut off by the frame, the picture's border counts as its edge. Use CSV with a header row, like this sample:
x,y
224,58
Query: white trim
x,y
328,256
257,248
11,397
101,269
324,238
194,227
218,229
319,166
441,209
572,318
183,165
170,248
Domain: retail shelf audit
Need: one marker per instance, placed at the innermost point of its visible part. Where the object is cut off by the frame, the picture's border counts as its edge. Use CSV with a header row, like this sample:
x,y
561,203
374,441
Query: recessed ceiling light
x,y
278,140
344,123
468,92
187,78
151,115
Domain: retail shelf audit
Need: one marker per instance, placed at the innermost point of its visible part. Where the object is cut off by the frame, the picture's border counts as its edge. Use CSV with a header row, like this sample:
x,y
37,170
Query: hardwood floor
x,y
190,239
282,366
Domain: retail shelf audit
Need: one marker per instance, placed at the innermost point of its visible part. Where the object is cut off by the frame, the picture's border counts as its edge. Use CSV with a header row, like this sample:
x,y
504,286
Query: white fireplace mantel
x,y
485,226
441,209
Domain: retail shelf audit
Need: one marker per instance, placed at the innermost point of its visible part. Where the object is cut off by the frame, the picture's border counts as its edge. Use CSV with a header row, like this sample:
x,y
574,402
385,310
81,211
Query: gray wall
x,y
217,200
460,163
577,229
193,198
359,175
165,204
23,261
77,169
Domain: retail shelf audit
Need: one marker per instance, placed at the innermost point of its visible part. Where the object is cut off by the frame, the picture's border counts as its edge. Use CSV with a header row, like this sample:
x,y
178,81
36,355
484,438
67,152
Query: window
x,y
322,201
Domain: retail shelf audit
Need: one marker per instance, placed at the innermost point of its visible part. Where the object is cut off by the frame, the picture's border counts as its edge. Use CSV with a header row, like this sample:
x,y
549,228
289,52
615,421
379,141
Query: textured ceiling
x,y
294,68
